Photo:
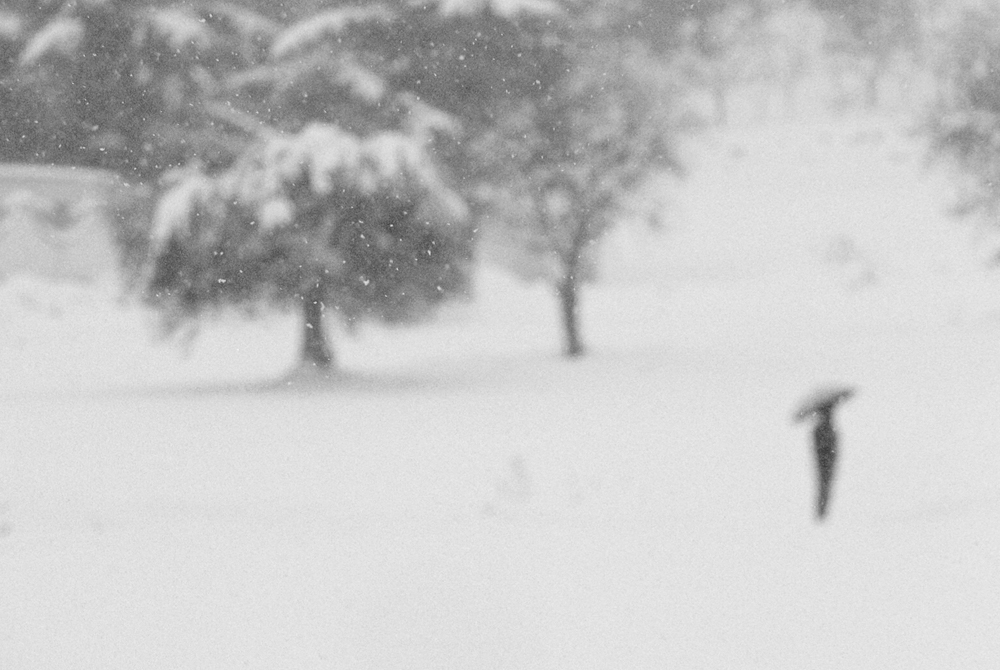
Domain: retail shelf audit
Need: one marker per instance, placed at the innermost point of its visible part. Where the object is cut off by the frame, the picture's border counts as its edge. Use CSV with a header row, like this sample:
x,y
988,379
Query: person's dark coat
x,y
825,444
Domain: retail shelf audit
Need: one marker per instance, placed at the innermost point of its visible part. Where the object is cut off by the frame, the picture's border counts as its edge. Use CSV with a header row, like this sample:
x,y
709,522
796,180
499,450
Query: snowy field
x,y
466,499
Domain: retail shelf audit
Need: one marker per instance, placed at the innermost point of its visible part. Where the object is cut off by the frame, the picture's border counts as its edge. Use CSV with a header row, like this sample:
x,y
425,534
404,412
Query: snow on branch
x,y
367,85
62,35
504,8
179,28
424,120
245,121
342,70
333,158
189,190
390,157
243,21
323,25
392,161
319,151
326,159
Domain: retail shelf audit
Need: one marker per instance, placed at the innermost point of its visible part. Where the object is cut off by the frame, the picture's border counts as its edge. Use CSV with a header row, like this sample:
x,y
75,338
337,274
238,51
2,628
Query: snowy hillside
x,y
467,499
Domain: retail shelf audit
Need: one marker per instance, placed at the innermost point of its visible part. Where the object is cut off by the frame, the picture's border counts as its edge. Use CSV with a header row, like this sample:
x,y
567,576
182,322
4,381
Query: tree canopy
x,y
337,204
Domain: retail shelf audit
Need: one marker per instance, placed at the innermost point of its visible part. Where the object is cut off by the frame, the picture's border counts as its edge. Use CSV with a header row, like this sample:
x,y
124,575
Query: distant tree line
x,y
963,123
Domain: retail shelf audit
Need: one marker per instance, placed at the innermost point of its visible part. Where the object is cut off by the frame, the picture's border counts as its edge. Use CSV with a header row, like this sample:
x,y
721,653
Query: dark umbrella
x,y
820,404
823,399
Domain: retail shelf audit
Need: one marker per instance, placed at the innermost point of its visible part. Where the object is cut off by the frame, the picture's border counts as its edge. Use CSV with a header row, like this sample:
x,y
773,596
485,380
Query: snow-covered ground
x,y
466,499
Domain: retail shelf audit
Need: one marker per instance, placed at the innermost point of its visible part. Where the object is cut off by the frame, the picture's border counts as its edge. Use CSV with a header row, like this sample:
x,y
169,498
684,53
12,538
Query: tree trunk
x,y
315,349
568,290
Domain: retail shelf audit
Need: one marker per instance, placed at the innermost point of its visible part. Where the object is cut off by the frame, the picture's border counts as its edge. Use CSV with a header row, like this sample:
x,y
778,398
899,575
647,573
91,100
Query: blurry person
x,y
821,405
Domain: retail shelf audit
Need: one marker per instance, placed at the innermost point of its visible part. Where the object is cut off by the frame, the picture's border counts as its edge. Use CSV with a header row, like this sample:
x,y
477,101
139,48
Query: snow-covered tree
x,y
339,206
567,159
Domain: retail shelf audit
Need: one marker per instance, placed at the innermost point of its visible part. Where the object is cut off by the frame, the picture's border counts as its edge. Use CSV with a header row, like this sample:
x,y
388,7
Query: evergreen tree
x,y
338,206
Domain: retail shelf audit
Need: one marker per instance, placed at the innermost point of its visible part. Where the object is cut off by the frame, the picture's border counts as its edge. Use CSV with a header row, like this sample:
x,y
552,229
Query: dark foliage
x,y
383,261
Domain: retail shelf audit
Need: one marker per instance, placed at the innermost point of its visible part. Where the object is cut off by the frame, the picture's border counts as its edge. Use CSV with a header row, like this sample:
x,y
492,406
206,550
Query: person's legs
x,y
826,459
